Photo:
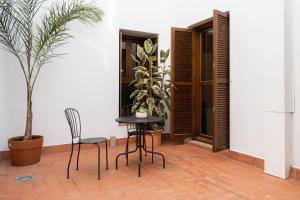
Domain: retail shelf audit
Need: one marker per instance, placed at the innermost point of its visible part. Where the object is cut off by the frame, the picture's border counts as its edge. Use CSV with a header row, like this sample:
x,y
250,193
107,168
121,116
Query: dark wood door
x,y
221,80
200,97
182,102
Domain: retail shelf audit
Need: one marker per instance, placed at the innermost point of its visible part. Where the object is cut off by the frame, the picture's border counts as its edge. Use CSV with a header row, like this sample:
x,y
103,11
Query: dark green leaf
x,y
134,59
139,84
134,93
153,48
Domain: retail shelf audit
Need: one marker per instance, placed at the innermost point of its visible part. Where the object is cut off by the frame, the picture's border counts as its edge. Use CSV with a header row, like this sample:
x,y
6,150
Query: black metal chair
x,y
131,131
74,122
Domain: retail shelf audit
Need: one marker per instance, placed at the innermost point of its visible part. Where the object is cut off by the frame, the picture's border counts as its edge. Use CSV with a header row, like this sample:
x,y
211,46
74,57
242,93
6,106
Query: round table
x,y
140,128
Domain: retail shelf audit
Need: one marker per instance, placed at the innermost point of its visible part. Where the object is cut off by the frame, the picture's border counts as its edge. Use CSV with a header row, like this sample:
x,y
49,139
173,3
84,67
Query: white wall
x,y
296,116
87,78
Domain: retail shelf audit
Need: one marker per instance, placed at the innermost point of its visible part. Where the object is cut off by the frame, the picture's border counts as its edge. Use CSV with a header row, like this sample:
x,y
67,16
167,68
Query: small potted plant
x,y
141,113
152,86
33,46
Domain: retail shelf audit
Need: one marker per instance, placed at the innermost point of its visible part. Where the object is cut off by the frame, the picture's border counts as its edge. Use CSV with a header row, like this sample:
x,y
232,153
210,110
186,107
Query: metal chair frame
x,y
74,122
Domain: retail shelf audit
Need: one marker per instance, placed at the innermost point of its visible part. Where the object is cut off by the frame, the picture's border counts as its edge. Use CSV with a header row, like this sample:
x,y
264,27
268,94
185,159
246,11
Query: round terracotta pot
x,y
156,139
27,152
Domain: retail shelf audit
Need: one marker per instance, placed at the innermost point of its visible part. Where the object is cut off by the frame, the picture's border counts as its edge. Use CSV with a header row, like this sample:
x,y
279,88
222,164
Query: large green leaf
x,y
158,83
134,93
167,53
152,59
138,75
157,110
143,61
153,48
135,60
141,94
162,56
140,68
140,52
168,90
148,46
139,84
135,106
162,53
132,82
145,73
150,101
156,90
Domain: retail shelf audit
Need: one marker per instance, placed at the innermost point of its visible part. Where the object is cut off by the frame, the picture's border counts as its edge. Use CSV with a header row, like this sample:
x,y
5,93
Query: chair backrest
x,y
126,111
74,122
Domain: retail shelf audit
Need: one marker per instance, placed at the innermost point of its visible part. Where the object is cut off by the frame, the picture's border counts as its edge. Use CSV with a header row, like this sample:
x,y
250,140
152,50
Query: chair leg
x,y
106,154
126,150
78,156
152,146
68,169
98,161
144,143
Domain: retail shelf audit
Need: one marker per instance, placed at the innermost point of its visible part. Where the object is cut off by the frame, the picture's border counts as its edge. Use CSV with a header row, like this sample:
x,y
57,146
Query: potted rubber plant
x,y
33,45
152,86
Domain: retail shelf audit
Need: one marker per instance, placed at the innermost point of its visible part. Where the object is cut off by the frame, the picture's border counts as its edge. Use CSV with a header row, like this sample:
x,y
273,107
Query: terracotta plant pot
x,y
24,153
156,139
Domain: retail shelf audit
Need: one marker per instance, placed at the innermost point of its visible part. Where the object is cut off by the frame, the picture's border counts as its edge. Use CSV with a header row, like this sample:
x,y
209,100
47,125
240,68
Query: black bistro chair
x,y
131,131
74,121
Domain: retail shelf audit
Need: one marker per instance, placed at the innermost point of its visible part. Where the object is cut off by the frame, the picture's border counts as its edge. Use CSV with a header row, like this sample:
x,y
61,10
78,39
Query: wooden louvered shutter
x,y
182,78
221,80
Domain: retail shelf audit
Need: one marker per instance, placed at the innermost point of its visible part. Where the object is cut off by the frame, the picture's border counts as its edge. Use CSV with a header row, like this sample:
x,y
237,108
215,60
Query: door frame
x,y
197,85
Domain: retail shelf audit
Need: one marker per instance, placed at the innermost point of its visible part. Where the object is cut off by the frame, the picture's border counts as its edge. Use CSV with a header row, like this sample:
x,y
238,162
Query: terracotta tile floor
x,y
191,173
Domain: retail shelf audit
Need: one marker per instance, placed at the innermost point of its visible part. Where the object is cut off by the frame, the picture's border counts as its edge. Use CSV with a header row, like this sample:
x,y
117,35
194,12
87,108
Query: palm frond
x,y
11,31
53,32
9,28
24,11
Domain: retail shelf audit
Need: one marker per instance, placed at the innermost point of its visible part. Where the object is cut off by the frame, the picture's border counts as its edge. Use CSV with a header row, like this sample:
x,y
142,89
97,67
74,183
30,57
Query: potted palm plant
x,y
33,46
152,86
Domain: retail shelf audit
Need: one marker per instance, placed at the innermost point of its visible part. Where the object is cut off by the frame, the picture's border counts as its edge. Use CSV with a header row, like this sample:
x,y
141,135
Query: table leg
x,y
126,153
140,128
140,147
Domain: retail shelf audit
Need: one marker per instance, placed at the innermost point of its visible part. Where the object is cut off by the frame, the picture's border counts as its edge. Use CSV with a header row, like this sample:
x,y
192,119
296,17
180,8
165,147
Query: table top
x,y
134,120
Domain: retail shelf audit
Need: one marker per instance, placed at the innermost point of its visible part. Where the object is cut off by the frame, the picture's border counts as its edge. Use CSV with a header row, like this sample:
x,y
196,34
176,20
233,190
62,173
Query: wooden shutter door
x,y
182,78
221,80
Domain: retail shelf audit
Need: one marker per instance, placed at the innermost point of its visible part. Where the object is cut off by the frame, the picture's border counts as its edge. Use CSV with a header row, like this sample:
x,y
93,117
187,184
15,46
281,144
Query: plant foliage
x,y
152,85
33,44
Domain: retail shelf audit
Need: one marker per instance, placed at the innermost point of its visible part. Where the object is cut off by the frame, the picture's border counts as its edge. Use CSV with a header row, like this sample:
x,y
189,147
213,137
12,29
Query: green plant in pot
x,y
33,46
152,85
141,113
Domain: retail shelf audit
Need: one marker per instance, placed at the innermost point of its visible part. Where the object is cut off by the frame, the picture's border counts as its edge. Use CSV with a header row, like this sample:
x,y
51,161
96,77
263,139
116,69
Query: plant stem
x,y
163,76
28,130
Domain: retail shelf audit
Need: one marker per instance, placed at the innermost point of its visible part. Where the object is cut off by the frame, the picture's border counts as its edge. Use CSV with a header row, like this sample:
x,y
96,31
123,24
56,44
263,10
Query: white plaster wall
x,y
246,74
87,78
296,115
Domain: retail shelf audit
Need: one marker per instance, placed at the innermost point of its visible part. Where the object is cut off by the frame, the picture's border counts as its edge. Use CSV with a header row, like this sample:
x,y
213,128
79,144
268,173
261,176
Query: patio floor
x,y
191,173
